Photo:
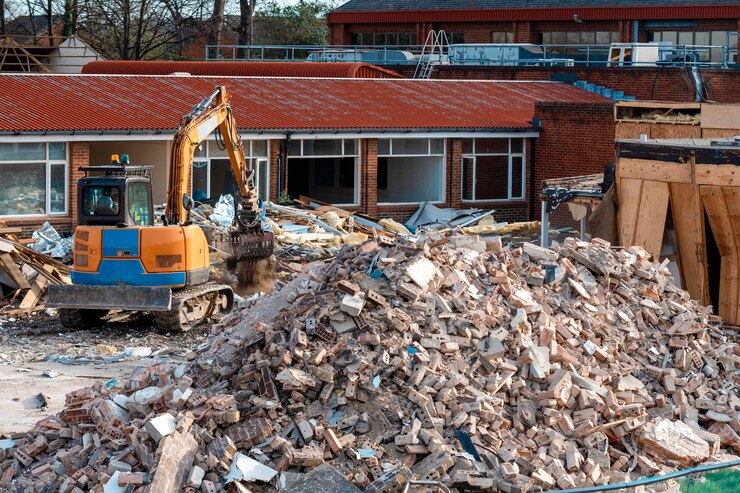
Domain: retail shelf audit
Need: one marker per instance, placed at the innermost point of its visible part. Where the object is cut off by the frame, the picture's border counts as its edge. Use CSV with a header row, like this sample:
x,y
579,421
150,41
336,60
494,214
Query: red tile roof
x,y
250,69
125,103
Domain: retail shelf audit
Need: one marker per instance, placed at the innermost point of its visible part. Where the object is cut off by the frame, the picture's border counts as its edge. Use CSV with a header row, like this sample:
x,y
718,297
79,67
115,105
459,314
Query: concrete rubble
x,y
442,358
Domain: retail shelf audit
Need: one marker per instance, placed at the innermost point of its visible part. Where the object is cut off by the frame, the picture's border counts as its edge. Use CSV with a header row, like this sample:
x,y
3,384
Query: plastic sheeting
x,y
51,243
430,216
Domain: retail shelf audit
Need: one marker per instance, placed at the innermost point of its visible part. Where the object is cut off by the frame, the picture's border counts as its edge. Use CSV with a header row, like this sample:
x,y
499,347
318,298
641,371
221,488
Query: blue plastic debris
x,y
411,349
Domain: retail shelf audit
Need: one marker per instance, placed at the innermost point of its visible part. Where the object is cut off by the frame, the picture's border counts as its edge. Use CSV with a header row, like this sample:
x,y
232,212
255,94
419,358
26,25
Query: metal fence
x,y
493,54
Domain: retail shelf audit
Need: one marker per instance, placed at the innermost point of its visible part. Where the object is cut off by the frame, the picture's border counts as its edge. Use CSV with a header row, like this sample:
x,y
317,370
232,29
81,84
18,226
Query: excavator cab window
x,y
139,199
101,201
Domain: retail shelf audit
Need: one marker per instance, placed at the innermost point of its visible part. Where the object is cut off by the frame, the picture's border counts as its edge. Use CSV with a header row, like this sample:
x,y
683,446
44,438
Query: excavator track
x,y
195,305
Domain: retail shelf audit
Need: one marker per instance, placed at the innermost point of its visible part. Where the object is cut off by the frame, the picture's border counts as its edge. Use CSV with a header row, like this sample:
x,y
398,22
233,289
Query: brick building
x,y
556,22
376,145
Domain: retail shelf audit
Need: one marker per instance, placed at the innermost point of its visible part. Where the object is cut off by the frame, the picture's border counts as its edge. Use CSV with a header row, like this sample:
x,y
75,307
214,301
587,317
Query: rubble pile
x,y
449,359
25,274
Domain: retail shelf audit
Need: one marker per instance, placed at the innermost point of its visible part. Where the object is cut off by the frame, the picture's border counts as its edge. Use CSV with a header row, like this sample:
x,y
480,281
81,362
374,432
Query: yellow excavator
x,y
122,261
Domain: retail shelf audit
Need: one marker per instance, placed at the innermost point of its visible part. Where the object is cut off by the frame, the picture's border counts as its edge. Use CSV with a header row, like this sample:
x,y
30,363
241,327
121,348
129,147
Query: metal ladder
x,y
437,45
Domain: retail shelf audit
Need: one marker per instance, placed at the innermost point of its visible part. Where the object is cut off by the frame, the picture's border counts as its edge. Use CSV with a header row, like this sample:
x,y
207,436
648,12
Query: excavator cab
x,y
115,195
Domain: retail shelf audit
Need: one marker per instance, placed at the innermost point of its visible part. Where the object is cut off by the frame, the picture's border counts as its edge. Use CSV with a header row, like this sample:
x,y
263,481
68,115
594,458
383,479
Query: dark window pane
x,y
384,147
349,148
467,178
491,146
467,146
322,147
491,177
382,173
517,146
263,175
259,148
200,180
294,148
323,174
347,173
392,39
517,173
58,190
437,146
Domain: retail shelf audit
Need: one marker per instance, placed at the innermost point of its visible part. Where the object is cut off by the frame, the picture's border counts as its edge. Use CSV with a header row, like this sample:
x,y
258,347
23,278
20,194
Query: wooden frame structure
x,y
676,120
698,183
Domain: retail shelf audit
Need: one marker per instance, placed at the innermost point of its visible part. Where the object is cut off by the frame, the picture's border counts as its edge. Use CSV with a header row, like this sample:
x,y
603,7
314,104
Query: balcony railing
x,y
725,56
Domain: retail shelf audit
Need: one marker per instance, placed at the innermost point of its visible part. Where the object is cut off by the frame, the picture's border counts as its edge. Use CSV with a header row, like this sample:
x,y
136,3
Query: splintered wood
x,y
25,274
450,359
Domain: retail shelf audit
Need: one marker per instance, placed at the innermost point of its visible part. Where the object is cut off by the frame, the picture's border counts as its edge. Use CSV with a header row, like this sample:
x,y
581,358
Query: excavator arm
x,y
246,243
214,112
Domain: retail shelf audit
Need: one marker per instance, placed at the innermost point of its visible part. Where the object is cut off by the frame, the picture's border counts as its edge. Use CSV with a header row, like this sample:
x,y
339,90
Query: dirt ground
x,y
79,358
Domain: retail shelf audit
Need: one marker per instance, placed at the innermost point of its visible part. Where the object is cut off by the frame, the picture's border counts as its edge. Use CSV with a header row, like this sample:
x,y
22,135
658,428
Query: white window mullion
x,y
47,195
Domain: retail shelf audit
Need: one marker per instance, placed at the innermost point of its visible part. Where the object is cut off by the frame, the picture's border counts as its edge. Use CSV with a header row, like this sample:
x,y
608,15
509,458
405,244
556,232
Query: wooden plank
x,y
718,175
721,116
643,169
651,217
688,220
14,271
719,220
10,231
33,295
628,191
732,202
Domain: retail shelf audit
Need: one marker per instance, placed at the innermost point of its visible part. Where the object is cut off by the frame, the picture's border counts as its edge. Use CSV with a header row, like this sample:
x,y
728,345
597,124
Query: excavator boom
x,y
246,242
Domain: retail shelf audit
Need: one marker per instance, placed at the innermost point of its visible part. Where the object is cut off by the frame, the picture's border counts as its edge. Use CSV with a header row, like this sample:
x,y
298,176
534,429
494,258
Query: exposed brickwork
x,y
575,140
369,176
524,31
79,155
274,157
648,83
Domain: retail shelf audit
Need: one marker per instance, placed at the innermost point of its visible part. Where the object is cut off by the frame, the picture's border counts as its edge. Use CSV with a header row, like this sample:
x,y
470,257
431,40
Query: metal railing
x,y
718,56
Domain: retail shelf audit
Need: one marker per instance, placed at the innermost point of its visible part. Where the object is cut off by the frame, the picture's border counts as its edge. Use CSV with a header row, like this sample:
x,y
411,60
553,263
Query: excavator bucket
x,y
248,254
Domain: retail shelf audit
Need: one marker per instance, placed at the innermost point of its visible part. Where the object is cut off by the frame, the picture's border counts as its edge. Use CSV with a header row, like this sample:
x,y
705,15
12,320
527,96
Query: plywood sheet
x,y
724,219
629,191
720,175
643,169
688,222
725,116
651,216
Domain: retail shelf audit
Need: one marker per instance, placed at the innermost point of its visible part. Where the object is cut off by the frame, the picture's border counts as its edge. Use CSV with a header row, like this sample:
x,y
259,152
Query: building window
x,y
500,37
716,39
34,178
560,39
325,170
456,38
212,175
411,170
384,39
493,169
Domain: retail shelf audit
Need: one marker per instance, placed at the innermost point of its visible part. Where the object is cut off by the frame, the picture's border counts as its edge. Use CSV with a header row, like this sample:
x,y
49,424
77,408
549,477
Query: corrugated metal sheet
x,y
48,103
668,12
249,69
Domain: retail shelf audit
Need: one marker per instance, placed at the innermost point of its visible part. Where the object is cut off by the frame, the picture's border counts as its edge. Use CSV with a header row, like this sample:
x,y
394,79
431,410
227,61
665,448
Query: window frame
x,y
248,155
443,156
511,155
48,163
356,155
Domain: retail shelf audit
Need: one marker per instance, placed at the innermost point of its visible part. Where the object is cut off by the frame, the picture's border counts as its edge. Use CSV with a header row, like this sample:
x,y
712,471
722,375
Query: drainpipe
x,y
532,173
635,31
698,82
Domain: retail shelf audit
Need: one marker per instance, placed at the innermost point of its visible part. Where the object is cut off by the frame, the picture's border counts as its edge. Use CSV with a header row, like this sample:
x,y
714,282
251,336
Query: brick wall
x,y
524,31
575,140
645,83
274,157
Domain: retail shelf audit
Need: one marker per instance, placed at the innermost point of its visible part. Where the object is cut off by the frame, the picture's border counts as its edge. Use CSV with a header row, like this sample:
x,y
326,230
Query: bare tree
x,y
217,22
246,21
2,17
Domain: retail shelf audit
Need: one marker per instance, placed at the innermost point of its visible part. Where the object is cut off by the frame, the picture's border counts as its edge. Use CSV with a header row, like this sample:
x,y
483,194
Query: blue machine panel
x,y
124,240
127,272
